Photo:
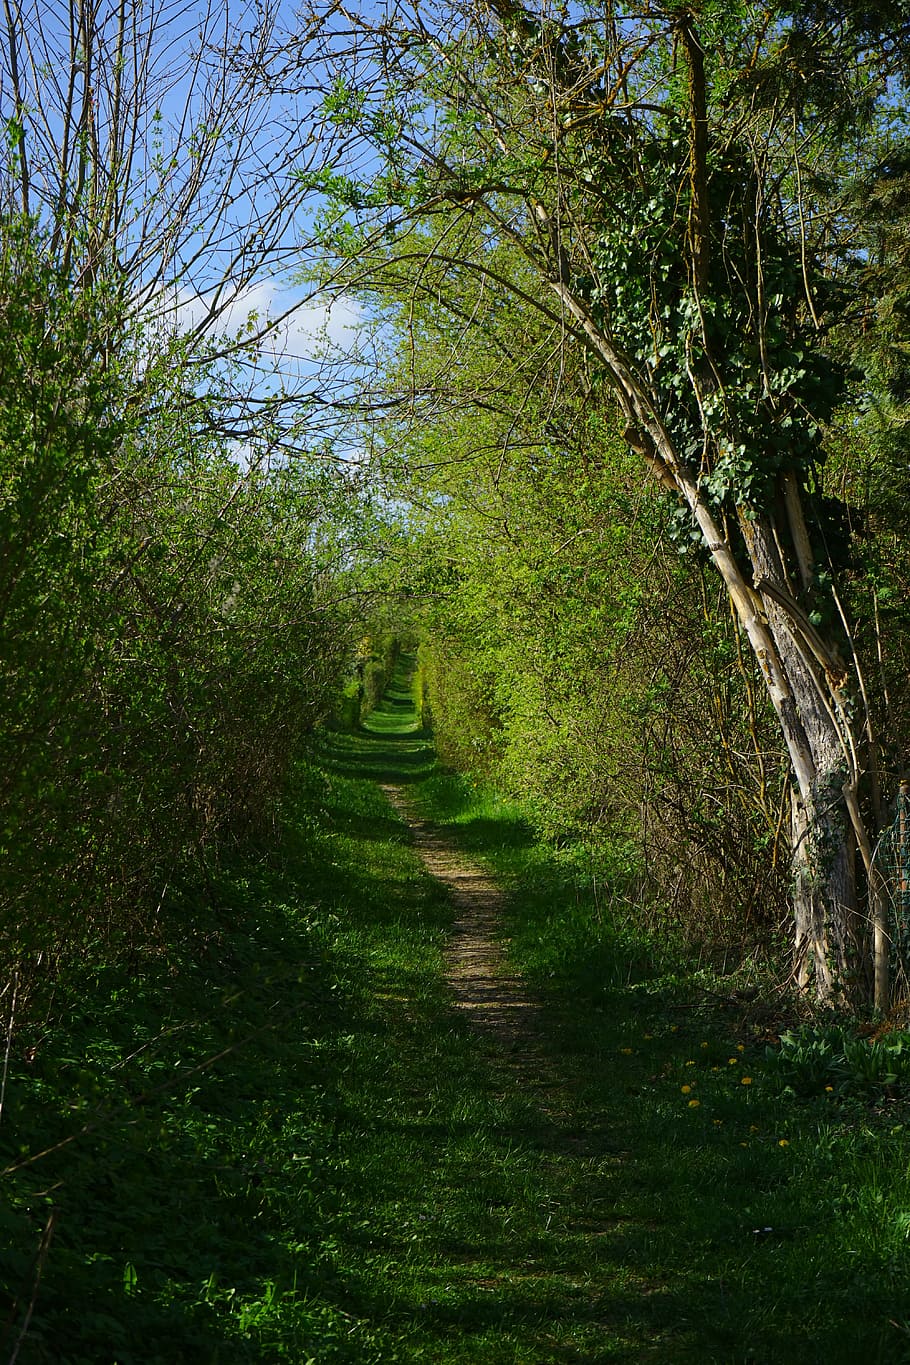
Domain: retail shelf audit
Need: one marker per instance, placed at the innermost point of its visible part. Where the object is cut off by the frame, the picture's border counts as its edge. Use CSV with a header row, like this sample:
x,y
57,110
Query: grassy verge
x,y
759,1226
196,1199
279,1142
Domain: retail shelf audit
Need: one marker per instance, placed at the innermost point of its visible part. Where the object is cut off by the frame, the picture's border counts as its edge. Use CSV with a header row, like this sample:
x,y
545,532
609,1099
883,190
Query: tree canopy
x,y
669,191
622,436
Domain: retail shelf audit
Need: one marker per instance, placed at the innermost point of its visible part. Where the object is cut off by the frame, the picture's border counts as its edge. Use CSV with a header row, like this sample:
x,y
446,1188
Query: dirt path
x,y
494,997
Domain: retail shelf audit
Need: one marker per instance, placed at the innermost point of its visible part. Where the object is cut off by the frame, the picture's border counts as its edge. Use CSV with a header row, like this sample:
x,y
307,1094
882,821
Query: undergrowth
x,y
279,1141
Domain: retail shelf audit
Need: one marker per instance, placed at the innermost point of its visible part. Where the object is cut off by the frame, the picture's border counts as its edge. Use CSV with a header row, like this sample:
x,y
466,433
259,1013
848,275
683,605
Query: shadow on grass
x,y
673,1166
178,1214
380,758
300,1151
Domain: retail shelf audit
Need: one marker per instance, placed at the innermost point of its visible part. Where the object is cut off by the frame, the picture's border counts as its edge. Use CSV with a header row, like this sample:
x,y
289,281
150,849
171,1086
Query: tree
x,y
664,174
158,149
172,621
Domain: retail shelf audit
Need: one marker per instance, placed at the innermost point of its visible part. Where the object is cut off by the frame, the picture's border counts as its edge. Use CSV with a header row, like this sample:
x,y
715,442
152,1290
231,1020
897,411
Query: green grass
x,y
297,1150
773,1229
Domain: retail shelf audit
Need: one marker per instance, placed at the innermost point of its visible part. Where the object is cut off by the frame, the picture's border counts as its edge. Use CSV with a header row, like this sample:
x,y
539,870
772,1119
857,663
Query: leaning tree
x,y
674,181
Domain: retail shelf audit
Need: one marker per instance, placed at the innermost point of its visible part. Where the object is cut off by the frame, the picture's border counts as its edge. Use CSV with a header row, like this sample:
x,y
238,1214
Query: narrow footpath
x,y
494,997
401,1089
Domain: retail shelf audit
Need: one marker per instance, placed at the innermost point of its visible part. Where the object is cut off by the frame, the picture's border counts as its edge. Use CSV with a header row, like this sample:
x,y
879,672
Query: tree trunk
x,y
824,890
803,675
815,726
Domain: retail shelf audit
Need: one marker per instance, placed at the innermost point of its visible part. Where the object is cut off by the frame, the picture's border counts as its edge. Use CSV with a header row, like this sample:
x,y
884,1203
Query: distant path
x,y
493,996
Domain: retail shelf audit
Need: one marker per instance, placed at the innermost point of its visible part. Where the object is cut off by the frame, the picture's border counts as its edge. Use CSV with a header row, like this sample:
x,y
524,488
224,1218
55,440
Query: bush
x,y
166,637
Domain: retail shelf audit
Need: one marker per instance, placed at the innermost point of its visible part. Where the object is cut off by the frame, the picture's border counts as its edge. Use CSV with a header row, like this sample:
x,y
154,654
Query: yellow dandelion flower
x,y
734,1061
829,1088
626,1051
740,1047
693,1104
715,1068
718,1122
745,1080
744,1144
686,1089
704,1044
674,1028
784,1142
753,1127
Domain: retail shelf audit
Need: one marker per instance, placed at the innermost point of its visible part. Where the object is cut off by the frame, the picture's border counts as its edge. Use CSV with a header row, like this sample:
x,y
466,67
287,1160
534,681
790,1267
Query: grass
x,y
293,1149
759,1227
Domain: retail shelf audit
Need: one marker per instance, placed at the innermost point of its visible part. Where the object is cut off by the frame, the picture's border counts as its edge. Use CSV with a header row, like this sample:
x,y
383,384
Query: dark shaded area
x,y
298,1149
192,1079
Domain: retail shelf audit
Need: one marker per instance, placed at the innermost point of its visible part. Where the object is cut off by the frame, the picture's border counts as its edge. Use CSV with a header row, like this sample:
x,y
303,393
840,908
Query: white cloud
x,y
311,325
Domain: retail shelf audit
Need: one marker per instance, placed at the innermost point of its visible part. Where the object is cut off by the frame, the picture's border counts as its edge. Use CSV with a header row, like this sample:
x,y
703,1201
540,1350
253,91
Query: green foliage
x,y
298,1150
745,394
811,1061
167,630
459,700
569,653
377,658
